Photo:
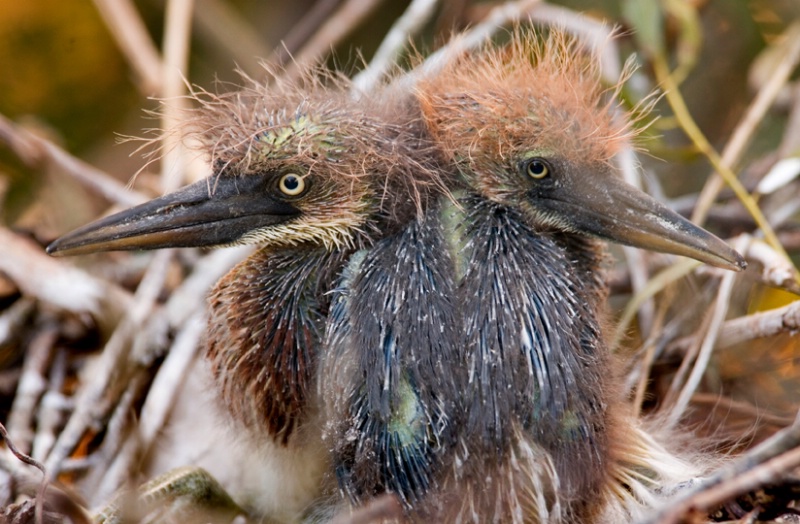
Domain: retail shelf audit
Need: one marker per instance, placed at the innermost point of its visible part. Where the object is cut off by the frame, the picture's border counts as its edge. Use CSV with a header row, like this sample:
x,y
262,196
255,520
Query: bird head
x,y
291,164
529,126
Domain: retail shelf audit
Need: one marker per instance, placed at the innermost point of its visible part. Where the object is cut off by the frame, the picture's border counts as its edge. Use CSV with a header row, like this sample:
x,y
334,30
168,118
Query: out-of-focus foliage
x,y
60,65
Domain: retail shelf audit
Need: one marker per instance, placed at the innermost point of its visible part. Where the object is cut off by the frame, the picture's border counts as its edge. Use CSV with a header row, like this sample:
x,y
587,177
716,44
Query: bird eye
x,y
291,184
537,168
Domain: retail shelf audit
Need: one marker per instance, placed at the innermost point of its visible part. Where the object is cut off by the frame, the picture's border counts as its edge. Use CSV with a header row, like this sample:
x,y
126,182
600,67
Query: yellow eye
x,y
291,184
537,168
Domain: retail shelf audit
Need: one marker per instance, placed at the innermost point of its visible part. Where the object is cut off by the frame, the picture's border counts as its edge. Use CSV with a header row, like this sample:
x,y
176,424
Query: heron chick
x,y
533,136
309,173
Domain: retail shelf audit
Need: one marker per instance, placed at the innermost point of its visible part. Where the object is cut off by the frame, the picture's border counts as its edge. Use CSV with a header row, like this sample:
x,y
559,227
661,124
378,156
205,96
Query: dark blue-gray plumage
x,y
390,348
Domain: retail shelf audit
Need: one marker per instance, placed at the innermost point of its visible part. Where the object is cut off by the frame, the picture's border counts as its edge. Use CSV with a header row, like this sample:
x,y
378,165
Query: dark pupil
x,y
291,183
536,168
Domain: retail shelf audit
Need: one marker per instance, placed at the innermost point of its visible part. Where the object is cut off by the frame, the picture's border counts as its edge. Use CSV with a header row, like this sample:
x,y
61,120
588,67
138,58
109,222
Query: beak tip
x,y
66,246
52,249
729,259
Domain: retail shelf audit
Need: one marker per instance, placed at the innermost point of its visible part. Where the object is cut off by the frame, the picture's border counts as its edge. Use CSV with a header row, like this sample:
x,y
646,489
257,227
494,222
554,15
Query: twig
x,y
134,41
52,410
219,21
777,271
730,406
120,425
498,18
170,377
703,357
13,318
657,283
31,385
763,464
686,362
37,152
190,296
790,143
744,131
418,13
758,325
338,26
89,408
648,352
66,287
635,258
175,67
22,457
157,406
302,31
598,34
690,127
186,302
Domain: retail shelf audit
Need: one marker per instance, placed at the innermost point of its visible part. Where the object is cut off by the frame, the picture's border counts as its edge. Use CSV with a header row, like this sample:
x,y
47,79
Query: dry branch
x,y
64,286
128,28
39,153
336,28
764,464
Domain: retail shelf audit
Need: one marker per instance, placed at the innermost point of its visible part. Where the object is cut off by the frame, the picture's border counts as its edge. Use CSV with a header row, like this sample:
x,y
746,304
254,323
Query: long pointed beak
x,y
607,207
210,212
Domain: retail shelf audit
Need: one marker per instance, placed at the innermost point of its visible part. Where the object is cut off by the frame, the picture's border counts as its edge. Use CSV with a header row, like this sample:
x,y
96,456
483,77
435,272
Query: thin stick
x,y
731,406
690,127
646,364
190,296
686,362
111,364
66,287
637,264
746,128
134,41
703,357
791,136
598,34
38,152
336,28
157,406
654,285
175,69
416,15
220,22
777,271
32,384
302,31
53,409
743,329
748,472
14,317
22,457
498,18
121,424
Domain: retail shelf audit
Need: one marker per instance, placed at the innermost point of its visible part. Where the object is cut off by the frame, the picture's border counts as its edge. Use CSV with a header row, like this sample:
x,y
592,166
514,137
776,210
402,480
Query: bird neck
x,y
536,359
266,321
589,258
390,342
